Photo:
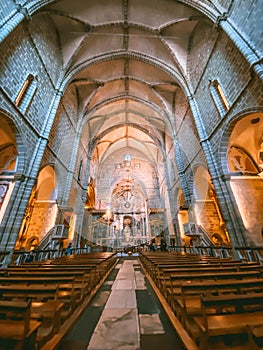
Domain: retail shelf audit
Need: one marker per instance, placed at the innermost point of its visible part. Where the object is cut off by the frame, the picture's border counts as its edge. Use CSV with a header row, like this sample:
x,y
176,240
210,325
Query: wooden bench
x,y
90,271
77,275
98,258
155,269
41,273
70,294
96,269
150,260
163,277
234,313
49,313
16,326
160,270
173,288
219,275
29,280
188,303
37,292
156,265
80,277
255,336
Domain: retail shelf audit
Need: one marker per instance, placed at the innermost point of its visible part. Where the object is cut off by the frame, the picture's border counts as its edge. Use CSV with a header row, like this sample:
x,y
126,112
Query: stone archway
x,y
41,212
8,160
207,211
245,163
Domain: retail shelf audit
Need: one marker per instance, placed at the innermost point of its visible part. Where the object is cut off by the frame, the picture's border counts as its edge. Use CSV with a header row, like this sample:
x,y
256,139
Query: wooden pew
x,y
41,273
90,273
65,293
49,313
80,286
95,270
186,268
29,280
97,267
154,263
174,287
255,337
106,258
49,267
70,294
163,275
81,267
81,277
188,303
234,313
155,268
219,275
2,272
55,289
149,259
16,326
38,292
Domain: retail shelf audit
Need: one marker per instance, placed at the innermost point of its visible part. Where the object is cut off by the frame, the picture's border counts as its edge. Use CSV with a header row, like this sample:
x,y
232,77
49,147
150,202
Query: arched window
x,y
219,97
26,93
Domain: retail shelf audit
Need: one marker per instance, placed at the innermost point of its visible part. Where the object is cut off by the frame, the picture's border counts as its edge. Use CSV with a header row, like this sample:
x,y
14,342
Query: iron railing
x,y
246,254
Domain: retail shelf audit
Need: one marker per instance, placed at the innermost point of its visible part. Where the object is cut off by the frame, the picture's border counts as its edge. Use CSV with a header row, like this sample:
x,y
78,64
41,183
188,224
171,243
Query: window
x,y
26,93
80,169
219,97
127,160
127,157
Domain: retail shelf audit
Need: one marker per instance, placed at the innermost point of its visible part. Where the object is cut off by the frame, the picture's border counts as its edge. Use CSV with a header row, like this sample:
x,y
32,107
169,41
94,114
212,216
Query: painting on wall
x,y
240,161
8,156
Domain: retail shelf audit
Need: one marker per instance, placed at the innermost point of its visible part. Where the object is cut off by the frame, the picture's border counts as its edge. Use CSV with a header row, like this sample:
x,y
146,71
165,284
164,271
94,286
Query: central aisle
x,y
118,327
124,315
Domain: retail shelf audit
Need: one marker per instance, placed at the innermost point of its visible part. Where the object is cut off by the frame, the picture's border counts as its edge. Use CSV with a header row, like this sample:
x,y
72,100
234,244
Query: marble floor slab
x,y
121,299
124,284
140,284
123,275
140,281
150,324
117,329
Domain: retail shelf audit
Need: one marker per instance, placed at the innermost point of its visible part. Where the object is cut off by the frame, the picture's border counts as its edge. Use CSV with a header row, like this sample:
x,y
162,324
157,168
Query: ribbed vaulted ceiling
x,y
125,64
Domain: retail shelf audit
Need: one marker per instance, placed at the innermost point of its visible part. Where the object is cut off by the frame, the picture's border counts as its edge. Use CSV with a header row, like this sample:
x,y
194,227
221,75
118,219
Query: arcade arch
x,y
207,213
8,161
245,163
41,212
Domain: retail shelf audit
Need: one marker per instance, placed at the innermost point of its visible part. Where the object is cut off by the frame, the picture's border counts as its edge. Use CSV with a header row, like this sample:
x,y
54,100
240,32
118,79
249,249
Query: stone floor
x,y
125,314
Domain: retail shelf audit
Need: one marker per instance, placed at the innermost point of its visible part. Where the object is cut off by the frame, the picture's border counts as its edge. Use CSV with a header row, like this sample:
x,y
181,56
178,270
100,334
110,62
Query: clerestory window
x,y
26,93
219,97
